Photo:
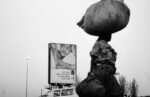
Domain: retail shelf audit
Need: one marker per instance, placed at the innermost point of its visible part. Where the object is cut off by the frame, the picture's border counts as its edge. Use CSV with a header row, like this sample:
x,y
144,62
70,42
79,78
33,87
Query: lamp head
x,y
28,59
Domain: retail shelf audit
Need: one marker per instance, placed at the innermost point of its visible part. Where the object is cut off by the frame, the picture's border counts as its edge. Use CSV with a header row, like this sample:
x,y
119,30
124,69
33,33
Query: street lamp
x,y
27,62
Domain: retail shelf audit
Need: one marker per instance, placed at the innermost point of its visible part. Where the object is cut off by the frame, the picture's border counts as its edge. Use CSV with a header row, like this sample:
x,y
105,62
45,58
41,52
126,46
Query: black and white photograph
x,y
96,48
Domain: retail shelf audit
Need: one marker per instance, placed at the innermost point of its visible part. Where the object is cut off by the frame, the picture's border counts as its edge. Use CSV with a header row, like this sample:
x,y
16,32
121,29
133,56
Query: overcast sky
x,y
27,26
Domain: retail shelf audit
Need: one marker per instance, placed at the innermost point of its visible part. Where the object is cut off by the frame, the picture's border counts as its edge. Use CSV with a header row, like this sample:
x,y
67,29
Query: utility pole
x,y
27,61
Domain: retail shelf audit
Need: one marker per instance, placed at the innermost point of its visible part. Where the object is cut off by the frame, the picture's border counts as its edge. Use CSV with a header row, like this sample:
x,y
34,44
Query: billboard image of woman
x,y
64,56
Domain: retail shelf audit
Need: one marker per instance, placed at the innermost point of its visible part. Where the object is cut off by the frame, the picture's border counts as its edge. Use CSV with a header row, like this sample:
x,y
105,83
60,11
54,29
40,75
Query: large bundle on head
x,y
105,17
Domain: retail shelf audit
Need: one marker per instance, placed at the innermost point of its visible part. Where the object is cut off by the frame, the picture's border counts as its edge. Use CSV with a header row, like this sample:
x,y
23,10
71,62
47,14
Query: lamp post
x,y
27,62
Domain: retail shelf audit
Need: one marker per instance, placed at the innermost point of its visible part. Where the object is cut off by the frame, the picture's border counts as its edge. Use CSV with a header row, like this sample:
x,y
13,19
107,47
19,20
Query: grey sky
x,y
27,26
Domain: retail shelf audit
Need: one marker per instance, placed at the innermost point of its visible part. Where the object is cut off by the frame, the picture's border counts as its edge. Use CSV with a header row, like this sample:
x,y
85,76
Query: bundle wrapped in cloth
x,y
90,87
105,17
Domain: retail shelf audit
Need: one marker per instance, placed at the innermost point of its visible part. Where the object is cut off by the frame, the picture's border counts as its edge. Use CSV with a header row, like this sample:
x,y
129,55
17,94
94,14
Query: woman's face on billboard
x,y
65,49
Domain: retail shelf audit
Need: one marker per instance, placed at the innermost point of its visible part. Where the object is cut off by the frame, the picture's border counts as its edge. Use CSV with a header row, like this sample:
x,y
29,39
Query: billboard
x,y
62,63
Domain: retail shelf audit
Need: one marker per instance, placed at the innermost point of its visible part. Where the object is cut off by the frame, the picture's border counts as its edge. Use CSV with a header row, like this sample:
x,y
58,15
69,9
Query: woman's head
x,y
65,49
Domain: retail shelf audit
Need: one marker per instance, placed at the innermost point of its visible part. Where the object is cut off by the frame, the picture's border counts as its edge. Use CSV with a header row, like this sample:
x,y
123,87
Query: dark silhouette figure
x,y
102,19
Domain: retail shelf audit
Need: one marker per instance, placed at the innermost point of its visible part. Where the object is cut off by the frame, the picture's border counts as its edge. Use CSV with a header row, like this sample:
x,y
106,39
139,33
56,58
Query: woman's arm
x,y
56,54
